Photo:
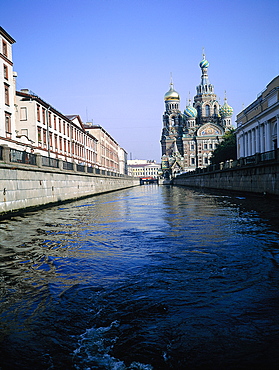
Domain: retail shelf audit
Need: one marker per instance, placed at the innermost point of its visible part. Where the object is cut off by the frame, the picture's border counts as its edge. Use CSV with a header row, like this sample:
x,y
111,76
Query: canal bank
x,y
29,184
251,175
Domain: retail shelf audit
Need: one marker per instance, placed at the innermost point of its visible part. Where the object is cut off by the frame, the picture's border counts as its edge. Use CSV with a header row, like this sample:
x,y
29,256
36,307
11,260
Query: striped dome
x,y
204,63
226,110
190,112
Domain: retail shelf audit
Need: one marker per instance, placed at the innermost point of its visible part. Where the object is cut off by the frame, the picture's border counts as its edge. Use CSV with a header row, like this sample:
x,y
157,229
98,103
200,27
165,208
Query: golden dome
x,y
171,94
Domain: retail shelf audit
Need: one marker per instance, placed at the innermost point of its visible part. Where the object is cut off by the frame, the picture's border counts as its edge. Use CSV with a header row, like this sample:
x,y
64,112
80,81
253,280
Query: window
x,y
192,161
7,97
205,146
38,113
39,135
54,122
205,160
50,139
44,136
5,48
6,75
8,128
210,146
23,113
49,119
207,110
44,115
59,124
55,142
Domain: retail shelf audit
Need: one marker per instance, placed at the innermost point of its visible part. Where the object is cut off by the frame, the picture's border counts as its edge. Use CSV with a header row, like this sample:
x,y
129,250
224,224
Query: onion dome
x,y
204,63
226,110
171,94
190,112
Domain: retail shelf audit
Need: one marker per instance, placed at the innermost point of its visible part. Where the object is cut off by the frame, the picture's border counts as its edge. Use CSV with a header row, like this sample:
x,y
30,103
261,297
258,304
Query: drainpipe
x,y
48,144
196,151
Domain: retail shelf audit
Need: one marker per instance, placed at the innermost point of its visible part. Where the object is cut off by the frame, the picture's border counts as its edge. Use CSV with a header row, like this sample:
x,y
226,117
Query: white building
x,y
258,124
7,90
143,168
122,155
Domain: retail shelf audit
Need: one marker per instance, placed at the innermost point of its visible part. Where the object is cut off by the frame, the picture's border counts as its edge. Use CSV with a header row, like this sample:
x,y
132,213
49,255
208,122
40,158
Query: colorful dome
x,y
204,63
190,112
226,110
171,94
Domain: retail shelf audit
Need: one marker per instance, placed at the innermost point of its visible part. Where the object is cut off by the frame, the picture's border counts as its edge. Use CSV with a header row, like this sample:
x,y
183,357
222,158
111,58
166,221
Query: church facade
x,y
189,137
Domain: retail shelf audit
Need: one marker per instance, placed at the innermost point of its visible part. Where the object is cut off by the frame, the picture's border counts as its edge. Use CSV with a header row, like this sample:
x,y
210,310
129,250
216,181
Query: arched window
x,y
199,110
215,109
207,110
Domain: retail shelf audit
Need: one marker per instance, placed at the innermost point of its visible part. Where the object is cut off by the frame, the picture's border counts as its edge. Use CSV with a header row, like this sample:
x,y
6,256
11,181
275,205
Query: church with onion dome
x,y
189,136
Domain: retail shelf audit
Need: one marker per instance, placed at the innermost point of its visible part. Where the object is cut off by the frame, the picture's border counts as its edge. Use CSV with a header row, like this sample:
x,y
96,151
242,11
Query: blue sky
x,y
110,60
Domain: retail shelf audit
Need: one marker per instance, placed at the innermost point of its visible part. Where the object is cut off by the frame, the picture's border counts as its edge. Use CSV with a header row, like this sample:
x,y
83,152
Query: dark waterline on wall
x,y
152,277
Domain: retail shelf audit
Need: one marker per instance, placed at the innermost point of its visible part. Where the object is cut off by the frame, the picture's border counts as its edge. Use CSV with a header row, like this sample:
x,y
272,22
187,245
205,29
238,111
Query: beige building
x,y
143,168
107,150
258,124
44,130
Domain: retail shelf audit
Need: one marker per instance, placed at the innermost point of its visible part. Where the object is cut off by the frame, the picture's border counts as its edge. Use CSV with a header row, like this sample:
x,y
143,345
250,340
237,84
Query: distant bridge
x,y
148,180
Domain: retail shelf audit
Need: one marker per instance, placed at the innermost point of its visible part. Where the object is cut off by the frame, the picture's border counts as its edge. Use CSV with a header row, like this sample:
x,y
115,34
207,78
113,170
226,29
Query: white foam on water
x,y
93,351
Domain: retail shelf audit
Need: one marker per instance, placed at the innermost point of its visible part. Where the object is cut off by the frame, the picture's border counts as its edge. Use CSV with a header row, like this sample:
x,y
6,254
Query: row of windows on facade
x,y
64,145
63,127
204,89
204,160
208,110
109,152
172,106
149,172
109,164
206,146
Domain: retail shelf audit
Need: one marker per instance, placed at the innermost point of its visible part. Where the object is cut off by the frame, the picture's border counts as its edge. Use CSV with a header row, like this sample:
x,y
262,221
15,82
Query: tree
x,y
226,150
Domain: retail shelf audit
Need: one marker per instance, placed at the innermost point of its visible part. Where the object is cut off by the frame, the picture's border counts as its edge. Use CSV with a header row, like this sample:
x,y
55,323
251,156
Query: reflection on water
x,y
145,278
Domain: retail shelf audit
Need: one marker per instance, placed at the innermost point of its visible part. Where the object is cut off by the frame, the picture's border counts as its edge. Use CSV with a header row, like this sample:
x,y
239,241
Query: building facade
x,y
107,150
44,130
7,90
188,138
144,168
30,124
258,124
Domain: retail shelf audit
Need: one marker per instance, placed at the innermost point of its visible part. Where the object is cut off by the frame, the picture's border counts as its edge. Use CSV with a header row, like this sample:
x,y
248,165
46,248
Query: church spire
x,y
205,86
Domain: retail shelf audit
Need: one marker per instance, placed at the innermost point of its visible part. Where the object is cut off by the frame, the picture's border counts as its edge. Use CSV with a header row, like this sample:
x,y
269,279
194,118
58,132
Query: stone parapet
x,y
23,187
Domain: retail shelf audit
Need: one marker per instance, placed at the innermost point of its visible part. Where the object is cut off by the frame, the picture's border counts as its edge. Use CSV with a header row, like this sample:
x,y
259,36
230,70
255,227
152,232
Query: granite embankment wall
x,y
25,186
259,179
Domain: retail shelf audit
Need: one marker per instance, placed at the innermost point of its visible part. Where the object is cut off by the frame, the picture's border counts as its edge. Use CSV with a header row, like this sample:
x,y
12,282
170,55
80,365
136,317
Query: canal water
x,y
152,277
